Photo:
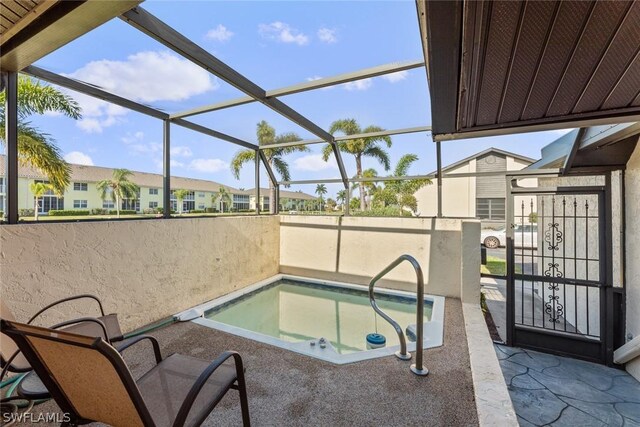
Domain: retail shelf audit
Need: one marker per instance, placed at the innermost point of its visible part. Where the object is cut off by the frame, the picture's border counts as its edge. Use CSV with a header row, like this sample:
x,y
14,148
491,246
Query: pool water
x,y
295,311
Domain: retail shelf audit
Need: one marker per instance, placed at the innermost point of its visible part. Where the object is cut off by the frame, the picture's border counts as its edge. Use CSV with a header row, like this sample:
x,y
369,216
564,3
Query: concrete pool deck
x,y
286,388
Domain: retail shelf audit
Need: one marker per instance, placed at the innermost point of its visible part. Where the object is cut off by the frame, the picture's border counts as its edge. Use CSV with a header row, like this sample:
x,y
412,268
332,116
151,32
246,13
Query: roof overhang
x,y
502,67
592,149
50,24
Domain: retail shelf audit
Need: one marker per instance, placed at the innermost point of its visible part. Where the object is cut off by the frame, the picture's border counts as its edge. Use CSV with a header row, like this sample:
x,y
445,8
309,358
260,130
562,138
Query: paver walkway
x,y
559,391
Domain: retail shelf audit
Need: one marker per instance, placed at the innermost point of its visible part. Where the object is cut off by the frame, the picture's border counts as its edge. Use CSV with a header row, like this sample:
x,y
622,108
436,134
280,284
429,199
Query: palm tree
x,y
266,136
402,193
223,197
341,198
321,190
180,194
369,186
119,186
35,147
360,147
38,189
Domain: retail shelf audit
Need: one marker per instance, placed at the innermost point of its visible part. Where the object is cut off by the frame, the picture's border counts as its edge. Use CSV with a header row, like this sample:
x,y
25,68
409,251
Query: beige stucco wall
x,y
458,195
144,270
632,246
354,249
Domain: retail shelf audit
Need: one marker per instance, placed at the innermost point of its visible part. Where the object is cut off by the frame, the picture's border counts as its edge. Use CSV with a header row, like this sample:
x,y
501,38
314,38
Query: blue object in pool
x,y
375,340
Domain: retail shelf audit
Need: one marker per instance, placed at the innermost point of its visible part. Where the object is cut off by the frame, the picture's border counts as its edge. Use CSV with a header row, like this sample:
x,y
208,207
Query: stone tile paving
x,y
559,391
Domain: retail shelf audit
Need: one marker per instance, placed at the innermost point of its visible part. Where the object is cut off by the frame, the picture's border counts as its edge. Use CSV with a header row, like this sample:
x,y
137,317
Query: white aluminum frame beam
x,y
416,129
379,70
397,178
174,40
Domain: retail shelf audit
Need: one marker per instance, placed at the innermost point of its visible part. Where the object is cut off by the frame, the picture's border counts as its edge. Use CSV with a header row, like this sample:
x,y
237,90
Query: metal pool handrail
x,y
417,368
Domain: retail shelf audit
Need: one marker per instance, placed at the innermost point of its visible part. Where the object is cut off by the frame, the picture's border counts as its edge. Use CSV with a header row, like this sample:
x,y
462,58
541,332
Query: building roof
x,y
514,66
483,153
285,194
83,173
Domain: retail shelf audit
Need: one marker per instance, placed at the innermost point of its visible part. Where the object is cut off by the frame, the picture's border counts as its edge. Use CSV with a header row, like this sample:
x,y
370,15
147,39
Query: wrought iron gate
x,y
558,270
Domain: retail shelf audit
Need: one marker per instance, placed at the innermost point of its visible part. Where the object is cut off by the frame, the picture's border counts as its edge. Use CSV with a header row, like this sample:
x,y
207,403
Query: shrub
x,y
196,211
383,211
26,212
160,210
148,211
99,211
55,212
211,210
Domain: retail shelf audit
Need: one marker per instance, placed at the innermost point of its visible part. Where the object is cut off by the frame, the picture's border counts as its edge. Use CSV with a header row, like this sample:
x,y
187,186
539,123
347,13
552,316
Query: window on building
x,y
265,204
108,204
153,205
2,187
492,209
188,203
153,191
240,202
80,186
49,201
200,194
79,204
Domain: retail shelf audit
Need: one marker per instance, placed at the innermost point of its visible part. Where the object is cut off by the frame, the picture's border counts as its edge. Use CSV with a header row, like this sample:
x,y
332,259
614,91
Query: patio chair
x,y
90,381
12,360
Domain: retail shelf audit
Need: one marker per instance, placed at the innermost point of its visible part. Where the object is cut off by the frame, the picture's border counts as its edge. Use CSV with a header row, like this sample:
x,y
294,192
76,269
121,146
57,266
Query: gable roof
x,y
484,153
84,173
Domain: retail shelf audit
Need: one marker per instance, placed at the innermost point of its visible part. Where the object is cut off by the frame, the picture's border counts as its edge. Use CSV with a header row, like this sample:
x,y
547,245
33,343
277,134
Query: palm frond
x,y
380,155
239,160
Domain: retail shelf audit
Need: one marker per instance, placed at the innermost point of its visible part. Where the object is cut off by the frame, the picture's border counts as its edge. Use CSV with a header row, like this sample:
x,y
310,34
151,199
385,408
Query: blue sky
x,y
274,44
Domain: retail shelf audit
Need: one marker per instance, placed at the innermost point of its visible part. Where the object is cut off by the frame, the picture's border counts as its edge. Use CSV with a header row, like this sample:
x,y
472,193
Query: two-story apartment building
x,y
82,193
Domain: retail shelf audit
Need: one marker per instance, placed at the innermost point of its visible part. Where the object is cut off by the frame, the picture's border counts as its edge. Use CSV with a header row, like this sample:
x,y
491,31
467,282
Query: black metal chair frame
x,y
123,372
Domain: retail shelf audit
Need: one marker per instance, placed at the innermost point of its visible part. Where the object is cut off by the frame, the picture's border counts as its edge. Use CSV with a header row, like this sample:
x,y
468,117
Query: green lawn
x,y
496,266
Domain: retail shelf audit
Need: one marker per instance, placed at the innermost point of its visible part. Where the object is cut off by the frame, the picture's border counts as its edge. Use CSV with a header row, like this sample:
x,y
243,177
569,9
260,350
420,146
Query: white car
x,y
525,236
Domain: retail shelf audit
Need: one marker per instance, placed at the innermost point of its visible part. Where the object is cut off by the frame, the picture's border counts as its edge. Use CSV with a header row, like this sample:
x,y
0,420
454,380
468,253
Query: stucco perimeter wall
x,y
144,270
632,244
354,249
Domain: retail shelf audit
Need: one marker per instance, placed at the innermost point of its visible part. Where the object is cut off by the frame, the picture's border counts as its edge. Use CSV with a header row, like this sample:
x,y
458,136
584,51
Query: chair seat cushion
x,y
166,386
92,329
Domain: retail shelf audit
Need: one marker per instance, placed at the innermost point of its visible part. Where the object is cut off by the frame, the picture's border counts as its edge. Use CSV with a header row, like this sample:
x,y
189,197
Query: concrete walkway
x,y
559,391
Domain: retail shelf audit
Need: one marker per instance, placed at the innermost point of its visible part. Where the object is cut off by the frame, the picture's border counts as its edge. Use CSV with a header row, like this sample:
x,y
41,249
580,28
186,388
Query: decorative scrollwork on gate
x,y
553,270
553,308
553,236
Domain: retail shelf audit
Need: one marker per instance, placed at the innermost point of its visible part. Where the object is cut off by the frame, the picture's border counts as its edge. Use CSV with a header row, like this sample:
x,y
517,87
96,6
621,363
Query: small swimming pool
x,y
295,313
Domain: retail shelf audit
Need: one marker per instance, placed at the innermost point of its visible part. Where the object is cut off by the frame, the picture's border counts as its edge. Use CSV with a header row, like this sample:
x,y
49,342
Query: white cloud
x,y
173,164
144,77
363,84
219,33
282,32
181,151
396,77
327,35
132,137
312,163
208,165
78,158
142,148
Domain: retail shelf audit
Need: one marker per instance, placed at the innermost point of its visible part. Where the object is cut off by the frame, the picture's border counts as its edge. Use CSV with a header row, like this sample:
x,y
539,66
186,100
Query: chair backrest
x,y
86,376
8,347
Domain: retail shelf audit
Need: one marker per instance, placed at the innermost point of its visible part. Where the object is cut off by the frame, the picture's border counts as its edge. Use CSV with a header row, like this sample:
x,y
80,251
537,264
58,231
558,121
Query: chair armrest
x,y
88,296
185,408
154,343
82,320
